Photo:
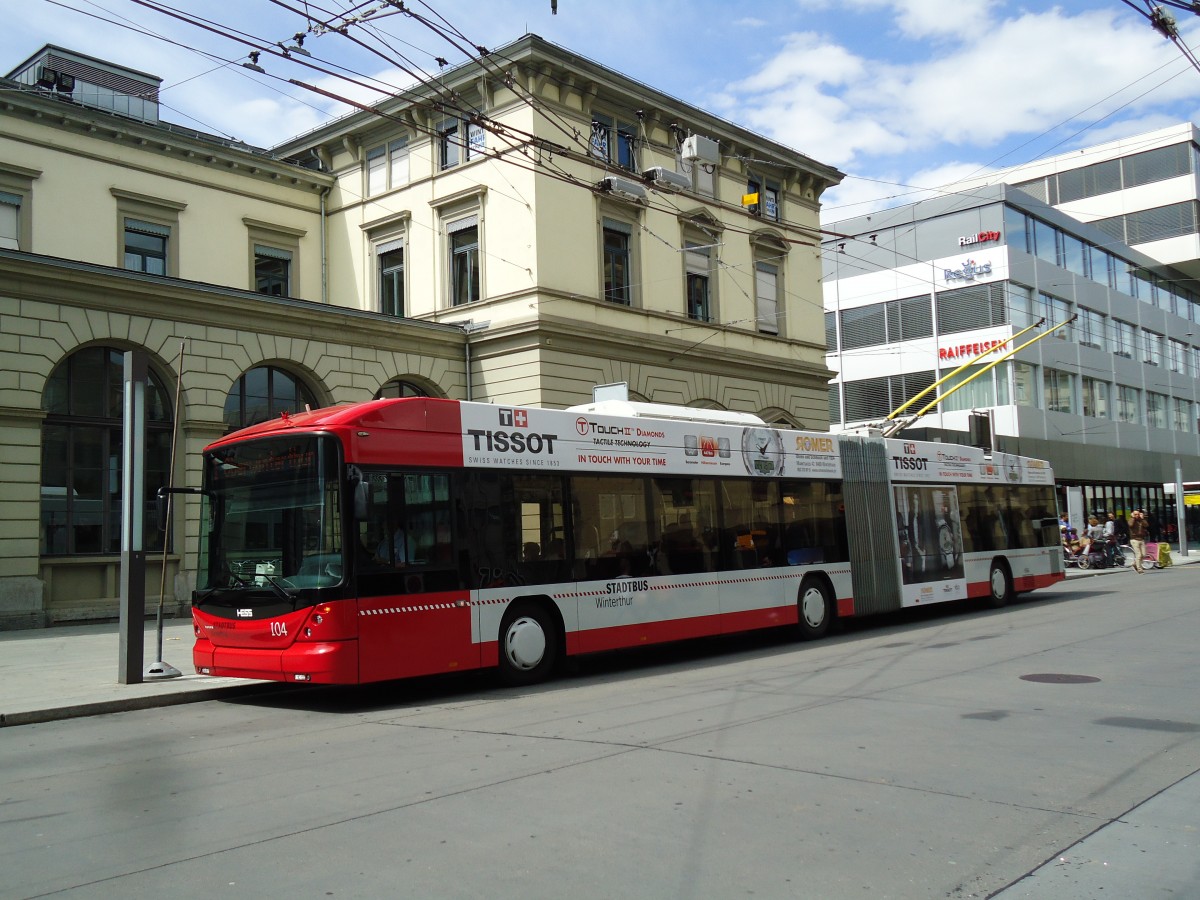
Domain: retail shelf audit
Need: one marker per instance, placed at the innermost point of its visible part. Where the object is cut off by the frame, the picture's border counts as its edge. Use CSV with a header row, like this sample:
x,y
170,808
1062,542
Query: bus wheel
x,y
528,644
1000,586
815,608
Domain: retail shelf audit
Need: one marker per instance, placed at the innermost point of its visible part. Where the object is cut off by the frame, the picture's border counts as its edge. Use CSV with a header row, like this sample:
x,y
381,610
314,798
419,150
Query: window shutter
x,y
768,303
462,224
272,252
147,228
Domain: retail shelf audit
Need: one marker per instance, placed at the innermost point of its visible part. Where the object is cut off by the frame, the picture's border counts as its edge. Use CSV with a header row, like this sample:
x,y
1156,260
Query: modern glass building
x,y
1111,398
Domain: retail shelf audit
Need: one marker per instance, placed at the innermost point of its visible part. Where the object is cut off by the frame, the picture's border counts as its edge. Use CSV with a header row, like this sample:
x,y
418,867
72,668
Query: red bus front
x,y
297,580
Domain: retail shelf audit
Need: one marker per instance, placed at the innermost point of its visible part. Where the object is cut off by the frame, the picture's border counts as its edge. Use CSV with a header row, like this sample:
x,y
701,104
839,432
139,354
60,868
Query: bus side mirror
x,y
160,502
160,508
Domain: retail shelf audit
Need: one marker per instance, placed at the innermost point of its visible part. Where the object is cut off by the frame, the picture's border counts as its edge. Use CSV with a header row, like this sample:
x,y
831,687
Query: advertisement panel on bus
x,y
553,439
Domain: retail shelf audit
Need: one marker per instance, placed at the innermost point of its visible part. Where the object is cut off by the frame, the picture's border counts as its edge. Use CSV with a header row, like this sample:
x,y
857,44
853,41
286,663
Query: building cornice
x,y
29,276
163,140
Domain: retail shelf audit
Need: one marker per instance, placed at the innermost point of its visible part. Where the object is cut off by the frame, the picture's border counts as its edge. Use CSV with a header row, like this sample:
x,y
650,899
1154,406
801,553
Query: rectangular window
x,y
617,268
1045,241
1074,255
983,391
1103,266
1179,357
1023,311
698,273
1058,391
1025,391
875,398
1156,410
146,247
909,318
272,271
387,167
754,189
450,144
865,326
1160,223
1089,181
10,218
391,277
1091,328
614,142
1152,350
1157,165
376,171
612,527
972,307
464,262
767,296
397,164
1122,336
1057,310
1095,397
769,202
1127,404
1016,224
476,140
1181,415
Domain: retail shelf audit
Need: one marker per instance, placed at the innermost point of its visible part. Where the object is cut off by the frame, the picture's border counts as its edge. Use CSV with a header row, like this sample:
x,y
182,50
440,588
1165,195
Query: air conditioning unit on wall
x,y
624,188
701,149
666,180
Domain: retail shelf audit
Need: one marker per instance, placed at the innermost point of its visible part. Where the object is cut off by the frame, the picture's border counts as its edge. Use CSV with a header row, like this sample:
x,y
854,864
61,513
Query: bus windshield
x,y
272,510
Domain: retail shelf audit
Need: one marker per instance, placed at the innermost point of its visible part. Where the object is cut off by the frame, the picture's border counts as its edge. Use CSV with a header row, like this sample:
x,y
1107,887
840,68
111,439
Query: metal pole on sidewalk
x,y
158,669
133,560
1180,510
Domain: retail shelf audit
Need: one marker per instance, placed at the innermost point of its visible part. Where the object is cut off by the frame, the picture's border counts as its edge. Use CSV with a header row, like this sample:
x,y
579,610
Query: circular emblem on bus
x,y
581,425
762,451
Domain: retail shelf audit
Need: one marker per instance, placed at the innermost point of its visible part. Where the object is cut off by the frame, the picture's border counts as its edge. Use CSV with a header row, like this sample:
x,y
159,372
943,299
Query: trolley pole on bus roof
x,y
899,425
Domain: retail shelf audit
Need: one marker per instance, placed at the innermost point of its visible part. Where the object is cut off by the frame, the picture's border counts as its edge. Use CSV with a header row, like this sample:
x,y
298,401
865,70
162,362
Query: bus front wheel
x,y
815,608
528,644
1000,585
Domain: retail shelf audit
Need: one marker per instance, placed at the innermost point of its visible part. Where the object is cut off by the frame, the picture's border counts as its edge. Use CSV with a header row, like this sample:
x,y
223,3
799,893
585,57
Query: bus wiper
x,y
231,576
280,591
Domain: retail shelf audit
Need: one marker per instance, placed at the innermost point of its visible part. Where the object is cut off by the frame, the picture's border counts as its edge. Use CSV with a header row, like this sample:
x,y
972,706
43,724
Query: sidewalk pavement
x,y
73,670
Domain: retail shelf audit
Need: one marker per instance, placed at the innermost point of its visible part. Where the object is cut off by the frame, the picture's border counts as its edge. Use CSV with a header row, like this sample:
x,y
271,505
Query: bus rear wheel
x,y
815,606
528,644
1000,585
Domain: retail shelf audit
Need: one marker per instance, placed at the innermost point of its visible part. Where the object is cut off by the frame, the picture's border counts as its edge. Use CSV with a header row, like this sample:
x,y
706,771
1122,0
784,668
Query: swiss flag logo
x,y
514,418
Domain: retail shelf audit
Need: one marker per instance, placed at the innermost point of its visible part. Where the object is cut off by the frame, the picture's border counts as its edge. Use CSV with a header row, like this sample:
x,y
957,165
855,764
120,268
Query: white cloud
x,y
1025,74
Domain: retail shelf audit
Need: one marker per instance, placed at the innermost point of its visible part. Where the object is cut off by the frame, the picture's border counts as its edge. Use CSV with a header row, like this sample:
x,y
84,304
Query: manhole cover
x,y
1059,678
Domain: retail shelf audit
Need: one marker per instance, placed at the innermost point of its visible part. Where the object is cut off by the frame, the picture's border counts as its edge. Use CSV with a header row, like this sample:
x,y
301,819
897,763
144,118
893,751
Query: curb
x,y
104,707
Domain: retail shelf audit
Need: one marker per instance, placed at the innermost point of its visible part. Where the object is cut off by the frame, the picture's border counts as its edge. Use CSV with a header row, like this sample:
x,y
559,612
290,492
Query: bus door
x,y
414,613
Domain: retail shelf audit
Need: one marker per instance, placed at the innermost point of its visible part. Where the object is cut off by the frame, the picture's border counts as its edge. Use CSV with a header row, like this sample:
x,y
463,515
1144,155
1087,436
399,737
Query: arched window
x,y
81,454
398,388
263,393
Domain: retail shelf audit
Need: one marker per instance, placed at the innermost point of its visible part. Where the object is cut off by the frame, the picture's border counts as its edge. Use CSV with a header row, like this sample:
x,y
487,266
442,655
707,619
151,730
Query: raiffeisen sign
x,y
983,237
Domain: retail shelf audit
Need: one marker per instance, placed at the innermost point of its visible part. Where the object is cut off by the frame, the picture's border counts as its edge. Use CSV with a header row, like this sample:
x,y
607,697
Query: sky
x,y
902,96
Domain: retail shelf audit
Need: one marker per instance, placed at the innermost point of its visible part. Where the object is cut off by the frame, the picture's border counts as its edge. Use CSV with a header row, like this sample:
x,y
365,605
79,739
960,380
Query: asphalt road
x,y
944,754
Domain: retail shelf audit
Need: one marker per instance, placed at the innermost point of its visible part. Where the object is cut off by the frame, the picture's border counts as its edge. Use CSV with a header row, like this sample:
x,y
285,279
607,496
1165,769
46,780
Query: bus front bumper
x,y
331,662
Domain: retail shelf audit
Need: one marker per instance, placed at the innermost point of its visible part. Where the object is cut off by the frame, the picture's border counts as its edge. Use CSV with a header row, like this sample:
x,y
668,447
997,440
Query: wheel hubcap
x,y
812,607
998,584
525,643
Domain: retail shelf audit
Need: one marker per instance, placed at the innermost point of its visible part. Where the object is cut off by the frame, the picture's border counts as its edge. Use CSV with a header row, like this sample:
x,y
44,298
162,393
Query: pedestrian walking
x,y
1139,529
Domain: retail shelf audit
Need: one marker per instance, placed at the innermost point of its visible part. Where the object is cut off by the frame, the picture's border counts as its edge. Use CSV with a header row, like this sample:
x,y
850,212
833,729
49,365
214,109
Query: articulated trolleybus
x,y
414,536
